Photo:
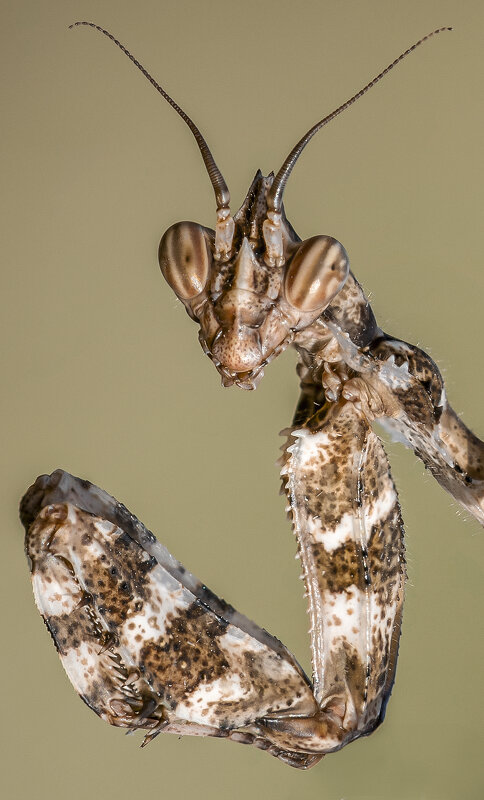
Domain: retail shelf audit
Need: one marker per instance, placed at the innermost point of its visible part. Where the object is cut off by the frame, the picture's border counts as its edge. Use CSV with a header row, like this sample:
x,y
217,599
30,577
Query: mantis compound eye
x,y
185,259
316,273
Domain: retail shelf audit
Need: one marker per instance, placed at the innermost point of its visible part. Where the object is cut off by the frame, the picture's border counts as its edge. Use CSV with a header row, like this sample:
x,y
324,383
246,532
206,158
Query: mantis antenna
x,y
274,195
222,194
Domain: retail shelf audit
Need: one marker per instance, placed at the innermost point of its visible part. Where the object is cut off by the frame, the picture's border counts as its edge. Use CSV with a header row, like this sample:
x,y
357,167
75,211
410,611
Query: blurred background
x,y
103,374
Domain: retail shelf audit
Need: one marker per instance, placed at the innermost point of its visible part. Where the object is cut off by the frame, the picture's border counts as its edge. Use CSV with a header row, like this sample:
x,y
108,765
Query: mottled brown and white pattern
x,y
143,641
145,644
347,521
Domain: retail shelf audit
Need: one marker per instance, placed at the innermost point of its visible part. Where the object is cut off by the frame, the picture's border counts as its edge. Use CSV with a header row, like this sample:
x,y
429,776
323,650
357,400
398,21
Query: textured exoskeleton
x,y
145,643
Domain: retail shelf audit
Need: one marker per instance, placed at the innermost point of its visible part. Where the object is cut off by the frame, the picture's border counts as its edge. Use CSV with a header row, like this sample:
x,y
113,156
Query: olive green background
x,y
103,374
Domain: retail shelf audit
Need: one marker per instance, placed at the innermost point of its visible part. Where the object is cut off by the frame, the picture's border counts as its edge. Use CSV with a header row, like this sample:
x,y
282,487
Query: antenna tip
x,y
83,22
437,31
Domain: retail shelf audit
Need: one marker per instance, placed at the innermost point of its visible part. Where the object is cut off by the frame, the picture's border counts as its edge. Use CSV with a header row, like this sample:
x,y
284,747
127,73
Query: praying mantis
x,y
145,644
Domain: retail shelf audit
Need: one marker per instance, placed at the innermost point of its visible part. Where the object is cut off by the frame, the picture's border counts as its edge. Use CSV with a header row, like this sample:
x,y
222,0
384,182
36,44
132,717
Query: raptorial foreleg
x,y
347,521
418,414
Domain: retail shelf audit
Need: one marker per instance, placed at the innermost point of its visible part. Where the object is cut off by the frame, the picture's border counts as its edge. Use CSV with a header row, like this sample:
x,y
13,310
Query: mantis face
x,y
248,303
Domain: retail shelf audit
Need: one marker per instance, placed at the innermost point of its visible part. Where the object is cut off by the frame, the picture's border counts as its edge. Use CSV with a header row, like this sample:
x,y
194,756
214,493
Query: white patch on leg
x,y
81,664
56,593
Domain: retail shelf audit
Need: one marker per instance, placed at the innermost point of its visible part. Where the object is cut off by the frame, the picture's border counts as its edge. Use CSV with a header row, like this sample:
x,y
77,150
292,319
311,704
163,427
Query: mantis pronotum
x,y
147,645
